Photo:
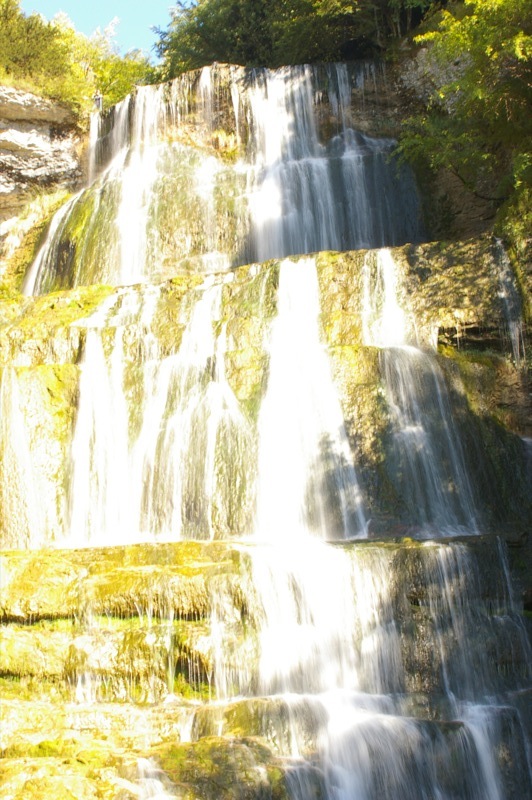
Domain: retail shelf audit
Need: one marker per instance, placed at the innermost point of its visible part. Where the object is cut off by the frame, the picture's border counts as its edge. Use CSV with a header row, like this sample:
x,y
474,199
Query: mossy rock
x,y
38,214
45,330
167,325
494,387
39,403
215,768
26,652
37,585
119,581
279,723
144,662
35,777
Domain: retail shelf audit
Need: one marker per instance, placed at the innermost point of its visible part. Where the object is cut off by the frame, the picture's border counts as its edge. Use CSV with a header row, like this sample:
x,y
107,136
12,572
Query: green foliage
x,y
29,46
276,32
216,30
54,60
478,124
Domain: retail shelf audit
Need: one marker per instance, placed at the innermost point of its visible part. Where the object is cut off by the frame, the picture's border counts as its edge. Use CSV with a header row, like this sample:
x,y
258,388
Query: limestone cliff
x,y
40,154
39,148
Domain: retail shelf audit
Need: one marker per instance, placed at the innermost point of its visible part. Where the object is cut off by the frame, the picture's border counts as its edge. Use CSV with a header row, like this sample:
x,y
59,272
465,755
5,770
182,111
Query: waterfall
x,y
161,205
336,661
306,476
147,467
209,610
511,301
426,453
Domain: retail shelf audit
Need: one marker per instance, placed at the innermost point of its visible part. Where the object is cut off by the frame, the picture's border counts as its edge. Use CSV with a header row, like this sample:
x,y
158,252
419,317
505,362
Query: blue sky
x,y
136,18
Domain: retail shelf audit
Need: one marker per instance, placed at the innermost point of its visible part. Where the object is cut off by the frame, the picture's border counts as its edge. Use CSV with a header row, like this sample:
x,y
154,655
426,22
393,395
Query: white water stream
x,y
306,476
511,302
381,665
144,465
425,451
160,205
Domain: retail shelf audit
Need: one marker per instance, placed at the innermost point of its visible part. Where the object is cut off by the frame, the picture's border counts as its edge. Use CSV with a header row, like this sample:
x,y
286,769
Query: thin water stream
x,y
426,452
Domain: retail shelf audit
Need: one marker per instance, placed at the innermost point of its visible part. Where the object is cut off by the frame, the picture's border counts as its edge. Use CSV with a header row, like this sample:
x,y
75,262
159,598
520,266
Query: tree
x,y
29,45
53,59
276,32
479,123
216,30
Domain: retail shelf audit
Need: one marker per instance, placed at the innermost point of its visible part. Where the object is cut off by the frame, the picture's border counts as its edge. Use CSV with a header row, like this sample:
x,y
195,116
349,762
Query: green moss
x,y
56,748
117,581
28,688
494,387
21,259
189,689
514,226
42,331
87,251
248,305
168,325
226,145
217,769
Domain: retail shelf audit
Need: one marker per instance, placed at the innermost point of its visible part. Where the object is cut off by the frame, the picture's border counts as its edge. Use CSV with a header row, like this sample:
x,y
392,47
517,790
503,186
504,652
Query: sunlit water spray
x,y
332,653
191,416
308,195
306,478
146,465
153,783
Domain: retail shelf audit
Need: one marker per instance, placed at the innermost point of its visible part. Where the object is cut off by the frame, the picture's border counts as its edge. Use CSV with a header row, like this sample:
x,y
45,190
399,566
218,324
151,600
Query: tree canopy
x,y
479,122
53,59
277,32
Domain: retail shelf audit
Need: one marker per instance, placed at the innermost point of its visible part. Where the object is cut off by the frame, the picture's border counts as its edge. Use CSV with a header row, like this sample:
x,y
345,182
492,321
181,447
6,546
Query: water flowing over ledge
x,y
362,684
243,482
225,167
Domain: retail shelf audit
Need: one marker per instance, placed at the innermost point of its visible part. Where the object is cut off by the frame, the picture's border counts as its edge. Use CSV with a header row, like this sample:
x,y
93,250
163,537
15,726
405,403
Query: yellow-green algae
x,y
42,329
215,768
117,581
19,261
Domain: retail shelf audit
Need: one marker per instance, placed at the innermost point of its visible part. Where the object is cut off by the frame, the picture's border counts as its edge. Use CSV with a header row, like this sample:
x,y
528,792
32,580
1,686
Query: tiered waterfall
x,y
250,515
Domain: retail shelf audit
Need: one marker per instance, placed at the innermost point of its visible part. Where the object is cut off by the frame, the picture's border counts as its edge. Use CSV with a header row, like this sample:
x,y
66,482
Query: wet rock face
x,y
445,287
39,147
93,640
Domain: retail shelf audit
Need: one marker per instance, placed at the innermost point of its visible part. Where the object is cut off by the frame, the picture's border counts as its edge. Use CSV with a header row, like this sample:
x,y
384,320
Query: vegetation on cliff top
x,y
54,60
478,123
277,32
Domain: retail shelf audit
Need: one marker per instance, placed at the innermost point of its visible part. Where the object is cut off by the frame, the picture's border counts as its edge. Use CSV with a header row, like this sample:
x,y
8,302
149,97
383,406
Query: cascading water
x,y
357,724
306,479
253,614
426,455
161,205
149,468
308,196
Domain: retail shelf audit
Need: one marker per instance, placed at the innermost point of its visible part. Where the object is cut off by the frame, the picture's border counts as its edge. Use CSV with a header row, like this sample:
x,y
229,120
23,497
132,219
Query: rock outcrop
x,y
108,658
39,148
451,295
